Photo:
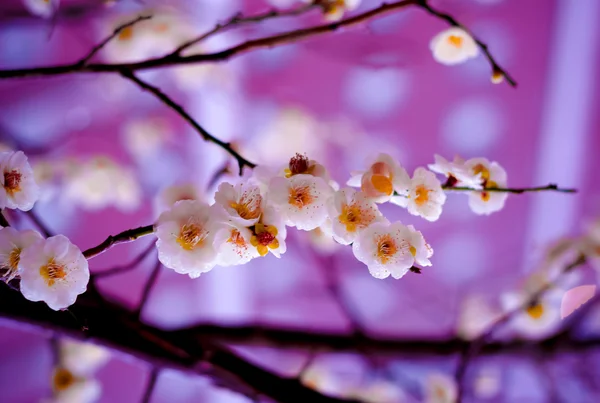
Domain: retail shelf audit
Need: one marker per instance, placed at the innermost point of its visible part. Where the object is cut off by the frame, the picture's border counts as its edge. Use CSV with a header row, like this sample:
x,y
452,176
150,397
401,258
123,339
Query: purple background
x,y
368,89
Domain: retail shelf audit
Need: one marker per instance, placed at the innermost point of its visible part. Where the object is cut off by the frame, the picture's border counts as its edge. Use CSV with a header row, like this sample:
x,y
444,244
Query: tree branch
x,y
152,378
551,187
113,326
148,288
239,19
254,44
115,33
179,109
112,240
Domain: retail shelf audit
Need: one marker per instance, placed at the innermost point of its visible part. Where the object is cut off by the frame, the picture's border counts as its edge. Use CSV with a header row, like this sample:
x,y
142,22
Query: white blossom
x,y
242,203
453,46
384,249
12,243
102,182
269,233
42,8
384,177
82,359
440,388
53,270
350,212
301,199
492,176
19,189
186,235
475,316
456,171
233,242
537,320
174,193
334,10
425,196
68,387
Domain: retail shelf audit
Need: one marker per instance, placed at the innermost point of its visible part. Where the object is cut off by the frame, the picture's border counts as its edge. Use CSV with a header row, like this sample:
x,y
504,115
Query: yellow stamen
x,y
480,169
422,195
14,258
386,248
300,197
248,207
455,40
191,236
52,272
535,311
382,184
62,379
413,250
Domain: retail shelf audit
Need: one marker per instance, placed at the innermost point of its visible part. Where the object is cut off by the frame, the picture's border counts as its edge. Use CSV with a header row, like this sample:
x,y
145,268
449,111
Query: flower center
x,y
300,197
299,164
455,40
480,169
12,181
413,250
191,236
422,195
62,379
53,272
382,184
386,248
126,34
353,217
13,258
535,311
248,207
264,238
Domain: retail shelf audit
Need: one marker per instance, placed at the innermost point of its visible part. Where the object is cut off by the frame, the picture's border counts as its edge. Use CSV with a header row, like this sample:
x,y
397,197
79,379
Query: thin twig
x,y
471,350
237,50
122,237
126,267
148,288
39,223
152,378
3,221
239,19
551,187
242,162
115,33
496,69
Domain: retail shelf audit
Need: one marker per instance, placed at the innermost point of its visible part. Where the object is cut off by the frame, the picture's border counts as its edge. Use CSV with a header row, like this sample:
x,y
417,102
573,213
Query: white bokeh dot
x,y
462,257
376,92
473,126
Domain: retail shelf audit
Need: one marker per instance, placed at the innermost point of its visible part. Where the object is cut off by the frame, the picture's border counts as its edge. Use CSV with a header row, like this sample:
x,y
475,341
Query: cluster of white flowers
x,y
249,219
52,270
73,378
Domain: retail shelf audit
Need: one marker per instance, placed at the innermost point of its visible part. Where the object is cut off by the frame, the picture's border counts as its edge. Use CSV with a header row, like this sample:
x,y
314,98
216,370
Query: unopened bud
x,y
497,77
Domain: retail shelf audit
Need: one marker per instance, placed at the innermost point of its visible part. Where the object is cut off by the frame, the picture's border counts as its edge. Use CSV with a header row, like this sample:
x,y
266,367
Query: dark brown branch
x,y
266,42
148,288
39,223
126,267
112,36
551,187
242,162
152,378
113,326
3,221
112,240
239,19
496,69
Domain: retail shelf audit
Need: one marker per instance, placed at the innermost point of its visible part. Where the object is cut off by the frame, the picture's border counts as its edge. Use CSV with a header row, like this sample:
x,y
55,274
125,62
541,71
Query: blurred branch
x,y
126,267
148,288
112,240
174,59
478,343
179,109
239,19
551,187
40,224
109,38
496,69
113,326
3,221
152,378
